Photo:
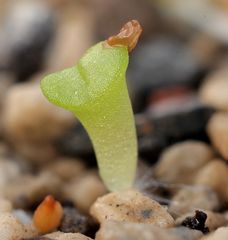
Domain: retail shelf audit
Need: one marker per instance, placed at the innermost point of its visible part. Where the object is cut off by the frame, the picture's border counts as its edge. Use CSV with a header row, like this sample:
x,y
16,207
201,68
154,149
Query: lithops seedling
x,y
95,91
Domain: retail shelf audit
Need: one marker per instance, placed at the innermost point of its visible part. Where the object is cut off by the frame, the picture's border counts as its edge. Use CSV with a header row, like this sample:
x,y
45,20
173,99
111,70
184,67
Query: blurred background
x,y
177,75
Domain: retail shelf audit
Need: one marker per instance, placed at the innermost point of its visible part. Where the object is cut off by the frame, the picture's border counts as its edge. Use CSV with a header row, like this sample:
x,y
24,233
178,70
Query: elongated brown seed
x,y
48,215
128,36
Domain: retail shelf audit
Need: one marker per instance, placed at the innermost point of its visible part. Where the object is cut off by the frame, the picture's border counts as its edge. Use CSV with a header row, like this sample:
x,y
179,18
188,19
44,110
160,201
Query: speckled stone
x,y
130,206
66,236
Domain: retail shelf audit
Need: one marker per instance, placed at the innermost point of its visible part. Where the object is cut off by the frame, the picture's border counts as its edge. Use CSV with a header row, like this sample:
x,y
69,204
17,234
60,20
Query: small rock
x,y
193,197
73,221
147,73
67,168
22,215
12,229
84,191
67,48
219,234
215,175
181,162
66,236
196,222
29,119
29,190
114,230
5,205
130,206
28,30
213,220
9,171
213,92
217,129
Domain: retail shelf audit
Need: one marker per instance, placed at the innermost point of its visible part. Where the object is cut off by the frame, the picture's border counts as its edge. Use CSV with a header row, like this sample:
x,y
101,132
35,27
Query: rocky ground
x,y
178,81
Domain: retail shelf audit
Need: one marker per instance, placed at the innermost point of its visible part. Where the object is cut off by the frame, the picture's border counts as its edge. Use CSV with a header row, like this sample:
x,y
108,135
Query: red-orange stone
x,y
48,215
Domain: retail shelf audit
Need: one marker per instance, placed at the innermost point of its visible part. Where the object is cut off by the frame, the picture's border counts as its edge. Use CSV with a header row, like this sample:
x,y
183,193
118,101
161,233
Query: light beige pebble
x,y
36,152
219,234
5,205
130,206
213,91
9,170
113,230
180,162
214,220
84,191
29,116
215,175
75,20
66,236
12,229
67,168
29,189
6,81
217,129
191,198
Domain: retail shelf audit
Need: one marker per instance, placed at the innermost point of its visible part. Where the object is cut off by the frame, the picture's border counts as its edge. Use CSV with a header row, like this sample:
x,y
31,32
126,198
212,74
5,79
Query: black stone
x,y
75,222
25,37
155,131
197,222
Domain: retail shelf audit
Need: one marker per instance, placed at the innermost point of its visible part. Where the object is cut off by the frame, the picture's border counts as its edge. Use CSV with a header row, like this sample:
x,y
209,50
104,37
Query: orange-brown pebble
x,y
128,36
48,215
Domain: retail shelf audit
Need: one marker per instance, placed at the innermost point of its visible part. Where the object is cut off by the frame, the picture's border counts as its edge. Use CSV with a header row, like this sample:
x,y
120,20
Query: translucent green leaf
x,y
95,91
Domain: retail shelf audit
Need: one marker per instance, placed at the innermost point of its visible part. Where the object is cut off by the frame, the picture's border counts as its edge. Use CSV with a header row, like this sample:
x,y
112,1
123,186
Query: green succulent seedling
x,y
95,91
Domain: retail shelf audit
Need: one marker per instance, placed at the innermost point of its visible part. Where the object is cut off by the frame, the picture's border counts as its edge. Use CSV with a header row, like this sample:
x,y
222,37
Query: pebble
x,y
114,230
27,190
214,220
66,236
219,234
130,206
9,170
12,229
74,222
83,191
217,129
74,20
45,123
130,9
5,205
181,162
191,198
215,175
213,91
66,168
179,118
147,73
27,31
